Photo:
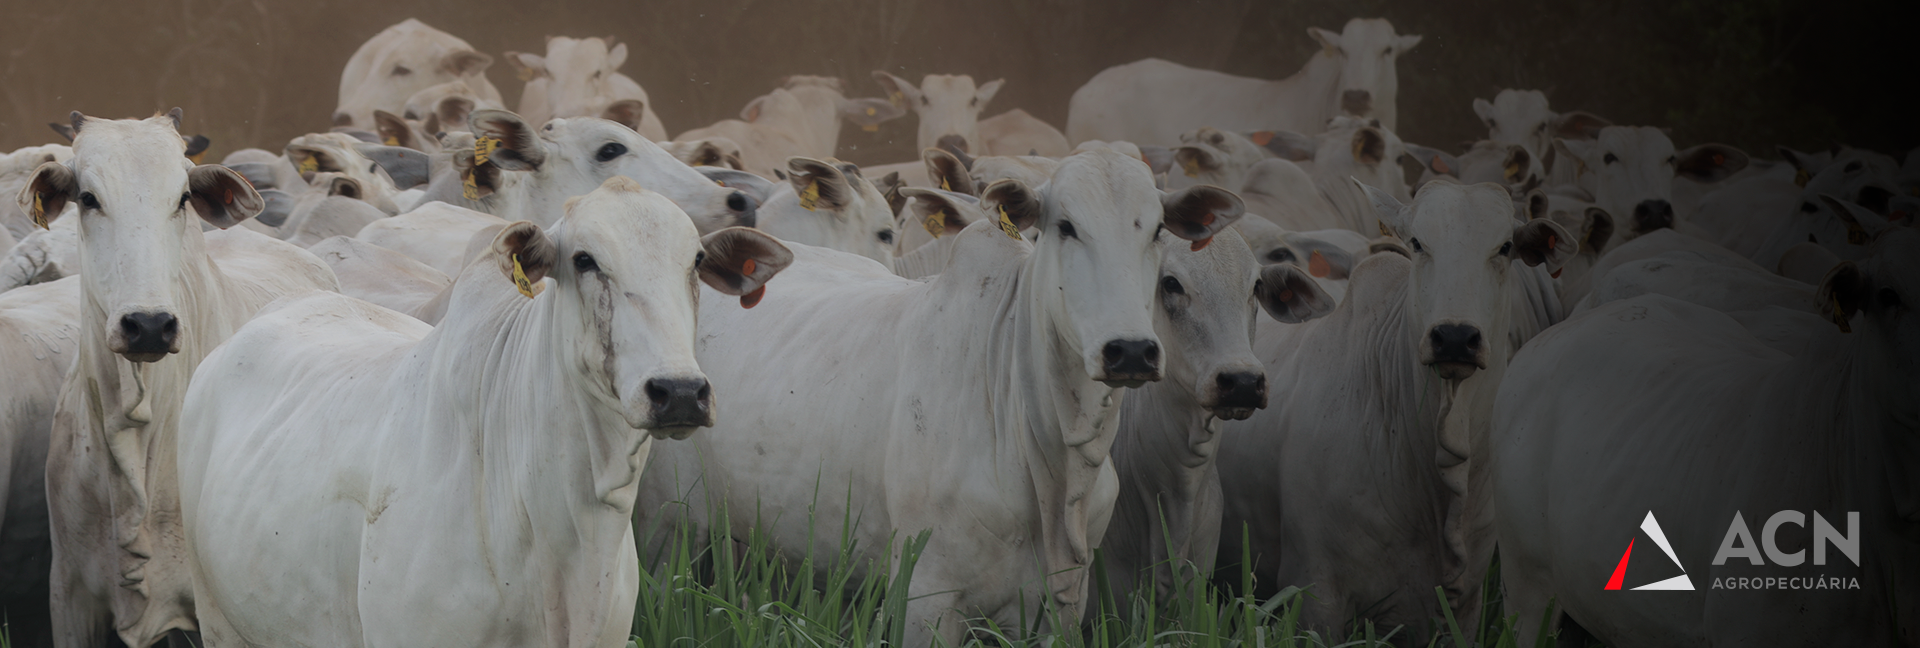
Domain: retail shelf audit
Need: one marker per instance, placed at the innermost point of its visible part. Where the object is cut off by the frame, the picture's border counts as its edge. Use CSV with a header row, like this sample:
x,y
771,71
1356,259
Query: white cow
x,y
429,113
534,170
1362,477
720,152
316,153
39,331
1224,159
829,204
15,167
1152,101
1522,117
43,256
404,59
949,108
800,118
580,77
1351,149
1864,177
498,451
1166,518
381,276
1634,168
1668,426
990,389
435,234
156,296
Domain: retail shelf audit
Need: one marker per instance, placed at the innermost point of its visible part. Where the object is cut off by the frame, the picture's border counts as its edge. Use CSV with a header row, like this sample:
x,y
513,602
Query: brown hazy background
x,y
259,72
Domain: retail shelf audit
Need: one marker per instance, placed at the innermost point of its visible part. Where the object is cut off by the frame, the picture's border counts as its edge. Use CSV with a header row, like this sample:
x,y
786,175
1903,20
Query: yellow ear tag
x,y
309,165
390,141
483,148
871,128
810,197
467,186
1006,224
943,185
39,212
1383,229
897,99
1840,315
936,223
198,158
525,74
1192,168
1800,179
1513,171
520,278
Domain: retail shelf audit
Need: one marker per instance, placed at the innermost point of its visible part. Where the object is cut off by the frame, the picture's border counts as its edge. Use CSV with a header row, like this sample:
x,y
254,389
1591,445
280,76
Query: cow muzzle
x,y
1357,102
678,406
145,336
1238,393
1129,363
1457,350
1651,215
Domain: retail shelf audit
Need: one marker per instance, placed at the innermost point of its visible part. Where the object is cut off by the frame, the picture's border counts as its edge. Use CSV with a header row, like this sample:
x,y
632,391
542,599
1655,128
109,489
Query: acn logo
x,y
1652,529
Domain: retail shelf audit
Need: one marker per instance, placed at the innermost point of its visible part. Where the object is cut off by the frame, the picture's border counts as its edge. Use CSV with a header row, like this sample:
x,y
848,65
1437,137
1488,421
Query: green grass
x,y
748,595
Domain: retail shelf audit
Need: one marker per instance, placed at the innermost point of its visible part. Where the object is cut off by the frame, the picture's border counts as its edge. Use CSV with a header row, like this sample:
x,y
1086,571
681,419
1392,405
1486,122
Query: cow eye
x,y
699,258
1171,286
1609,159
975,102
1889,299
183,199
924,101
88,201
1067,231
1416,245
1506,248
886,236
401,70
412,115
1280,255
610,151
583,262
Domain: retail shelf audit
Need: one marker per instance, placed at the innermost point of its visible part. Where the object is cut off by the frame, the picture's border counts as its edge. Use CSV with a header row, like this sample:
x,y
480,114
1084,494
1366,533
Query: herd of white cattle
x,y
400,383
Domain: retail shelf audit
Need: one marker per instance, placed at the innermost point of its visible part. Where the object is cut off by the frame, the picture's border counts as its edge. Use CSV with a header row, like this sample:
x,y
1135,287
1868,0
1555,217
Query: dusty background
x,y
259,72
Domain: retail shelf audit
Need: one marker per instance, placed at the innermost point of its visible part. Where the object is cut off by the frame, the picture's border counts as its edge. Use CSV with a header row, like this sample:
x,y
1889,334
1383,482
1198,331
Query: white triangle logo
x,y
1652,528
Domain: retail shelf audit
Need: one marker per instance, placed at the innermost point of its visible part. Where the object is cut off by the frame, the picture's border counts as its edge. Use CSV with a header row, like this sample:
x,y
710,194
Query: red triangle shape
x,y
1620,571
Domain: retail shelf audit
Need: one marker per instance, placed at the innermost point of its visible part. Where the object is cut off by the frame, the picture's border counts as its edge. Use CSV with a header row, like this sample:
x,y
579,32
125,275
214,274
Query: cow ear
x,y
947,172
1578,149
819,185
1599,230
1841,294
1543,241
1324,260
312,161
451,111
197,146
1709,162
47,193
705,153
1387,208
1806,165
899,92
1369,147
465,63
1517,165
406,166
1862,224
342,185
1286,145
527,66
222,197
740,261
868,113
941,212
1435,160
1289,295
1195,159
755,187
625,112
1329,41
519,149
1020,204
1199,212
1406,43
524,252
1159,159
1578,125
64,130
1484,110
751,113
985,93
481,178
278,206
393,130
617,56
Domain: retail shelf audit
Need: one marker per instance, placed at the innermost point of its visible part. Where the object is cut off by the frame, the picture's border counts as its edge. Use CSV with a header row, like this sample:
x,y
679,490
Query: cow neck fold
x,y
1401,437
1067,430
543,439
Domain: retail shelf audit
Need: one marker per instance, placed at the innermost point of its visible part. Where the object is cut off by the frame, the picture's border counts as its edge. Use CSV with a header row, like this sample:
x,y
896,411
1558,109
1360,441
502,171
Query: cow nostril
x,y
1152,353
129,327
706,391
1473,341
656,392
1113,352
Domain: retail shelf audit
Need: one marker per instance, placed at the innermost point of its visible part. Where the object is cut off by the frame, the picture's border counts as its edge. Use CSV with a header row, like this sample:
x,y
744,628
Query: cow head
x,y
1864,178
580,79
832,206
1634,168
1522,117
1367,48
570,157
1206,302
141,205
1215,157
1096,260
624,263
948,105
400,61
1463,241
1360,148
1872,296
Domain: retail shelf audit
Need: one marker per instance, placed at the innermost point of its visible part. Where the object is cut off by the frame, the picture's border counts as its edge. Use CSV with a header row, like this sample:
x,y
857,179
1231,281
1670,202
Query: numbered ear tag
x,y
390,141
525,73
483,149
309,165
469,188
1006,225
39,212
936,223
520,278
1383,229
1840,315
1513,171
810,197
1800,179
943,184
1192,168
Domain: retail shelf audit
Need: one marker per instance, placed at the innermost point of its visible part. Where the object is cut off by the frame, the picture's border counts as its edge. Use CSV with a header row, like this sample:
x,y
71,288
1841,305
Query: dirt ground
x,y
259,72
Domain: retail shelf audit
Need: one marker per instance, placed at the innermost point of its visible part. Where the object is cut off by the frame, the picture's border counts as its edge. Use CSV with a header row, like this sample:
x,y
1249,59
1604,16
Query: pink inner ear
x,y
1201,244
1317,265
752,299
1207,218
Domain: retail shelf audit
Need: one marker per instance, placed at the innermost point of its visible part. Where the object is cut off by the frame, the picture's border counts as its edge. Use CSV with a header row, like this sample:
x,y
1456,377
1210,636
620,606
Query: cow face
x,y
1206,304
1463,241
580,79
570,157
624,261
400,61
141,204
1215,157
1367,48
1096,261
831,205
338,153
948,105
1873,297
1864,178
1634,167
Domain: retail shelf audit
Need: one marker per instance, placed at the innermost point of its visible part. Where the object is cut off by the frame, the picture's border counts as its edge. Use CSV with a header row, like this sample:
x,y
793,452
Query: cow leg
x,y
81,619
